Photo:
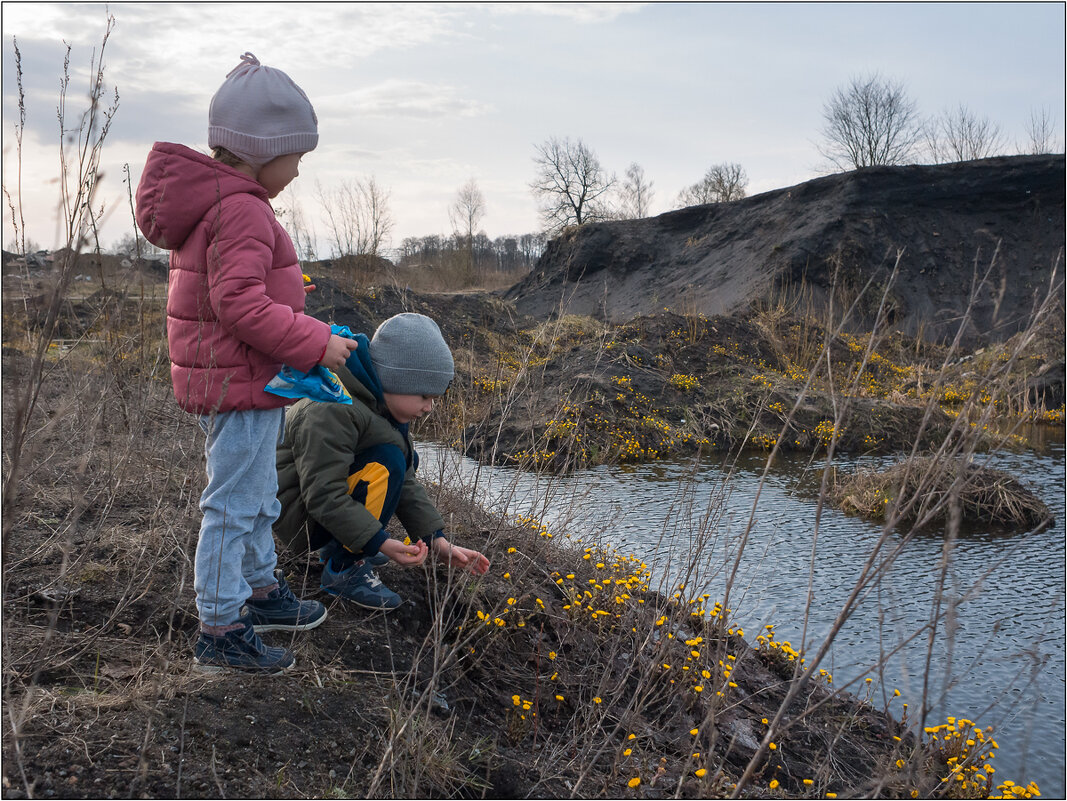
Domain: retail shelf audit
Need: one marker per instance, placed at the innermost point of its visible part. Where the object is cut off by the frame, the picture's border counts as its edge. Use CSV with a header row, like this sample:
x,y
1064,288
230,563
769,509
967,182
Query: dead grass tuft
x,y
981,493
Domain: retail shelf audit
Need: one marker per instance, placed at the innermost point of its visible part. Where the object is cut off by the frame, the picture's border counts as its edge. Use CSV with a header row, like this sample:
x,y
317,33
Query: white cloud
x,y
76,23
399,98
576,12
427,95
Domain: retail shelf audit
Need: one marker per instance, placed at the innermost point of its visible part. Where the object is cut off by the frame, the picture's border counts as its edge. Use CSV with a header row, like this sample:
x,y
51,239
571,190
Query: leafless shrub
x,y
720,184
635,194
358,217
1040,133
961,135
870,122
80,149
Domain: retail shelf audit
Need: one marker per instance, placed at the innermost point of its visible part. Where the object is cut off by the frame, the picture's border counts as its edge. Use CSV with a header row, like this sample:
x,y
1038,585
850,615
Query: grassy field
x,y
561,673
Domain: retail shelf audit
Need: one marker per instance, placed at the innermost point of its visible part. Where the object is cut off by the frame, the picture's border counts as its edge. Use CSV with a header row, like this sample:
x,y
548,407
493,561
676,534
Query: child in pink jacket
x,y
234,316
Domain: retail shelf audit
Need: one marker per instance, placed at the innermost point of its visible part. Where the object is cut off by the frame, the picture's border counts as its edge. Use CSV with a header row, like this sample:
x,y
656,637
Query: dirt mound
x,y
783,247
458,314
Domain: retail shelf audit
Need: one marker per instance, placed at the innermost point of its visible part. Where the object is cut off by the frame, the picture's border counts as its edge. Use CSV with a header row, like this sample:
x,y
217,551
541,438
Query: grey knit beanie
x,y
411,357
259,114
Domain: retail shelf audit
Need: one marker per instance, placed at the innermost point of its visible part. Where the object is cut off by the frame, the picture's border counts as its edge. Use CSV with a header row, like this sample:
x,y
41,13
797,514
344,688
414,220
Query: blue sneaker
x,y
240,650
283,611
378,560
359,584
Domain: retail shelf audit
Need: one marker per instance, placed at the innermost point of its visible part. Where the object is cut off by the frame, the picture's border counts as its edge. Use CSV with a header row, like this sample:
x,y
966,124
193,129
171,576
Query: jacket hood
x,y
359,376
362,382
179,186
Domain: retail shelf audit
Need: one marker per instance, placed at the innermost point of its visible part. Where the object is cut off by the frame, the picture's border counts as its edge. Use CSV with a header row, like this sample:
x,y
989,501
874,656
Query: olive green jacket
x,y
321,441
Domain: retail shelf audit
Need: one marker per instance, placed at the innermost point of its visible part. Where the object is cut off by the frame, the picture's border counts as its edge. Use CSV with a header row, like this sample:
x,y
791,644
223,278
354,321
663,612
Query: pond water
x,y
998,658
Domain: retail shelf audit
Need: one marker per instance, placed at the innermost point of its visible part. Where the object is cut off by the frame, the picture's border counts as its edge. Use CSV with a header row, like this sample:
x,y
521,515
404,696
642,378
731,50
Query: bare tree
x,y
466,214
1040,130
291,213
358,216
571,186
870,122
720,184
468,209
635,194
961,135
135,246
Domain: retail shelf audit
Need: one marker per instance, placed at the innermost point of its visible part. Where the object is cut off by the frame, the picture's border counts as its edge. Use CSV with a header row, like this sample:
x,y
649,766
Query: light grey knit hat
x,y
411,357
259,114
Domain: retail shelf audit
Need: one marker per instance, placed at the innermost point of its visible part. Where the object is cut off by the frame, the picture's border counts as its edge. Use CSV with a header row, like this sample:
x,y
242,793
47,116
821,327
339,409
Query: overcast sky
x,y
424,97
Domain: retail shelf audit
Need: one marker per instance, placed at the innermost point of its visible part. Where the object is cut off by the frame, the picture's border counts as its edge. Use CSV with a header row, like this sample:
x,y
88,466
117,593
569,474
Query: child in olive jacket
x,y
344,470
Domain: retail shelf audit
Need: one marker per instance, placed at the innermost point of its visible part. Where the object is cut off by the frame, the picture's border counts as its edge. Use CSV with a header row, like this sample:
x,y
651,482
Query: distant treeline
x,y
478,254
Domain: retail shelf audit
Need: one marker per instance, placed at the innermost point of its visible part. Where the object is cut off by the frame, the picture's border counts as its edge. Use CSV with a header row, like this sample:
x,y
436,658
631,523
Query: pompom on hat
x,y
411,357
259,113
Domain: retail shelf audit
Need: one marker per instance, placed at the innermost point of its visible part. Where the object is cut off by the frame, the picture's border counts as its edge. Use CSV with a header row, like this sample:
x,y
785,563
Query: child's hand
x,y
406,555
456,556
309,288
337,350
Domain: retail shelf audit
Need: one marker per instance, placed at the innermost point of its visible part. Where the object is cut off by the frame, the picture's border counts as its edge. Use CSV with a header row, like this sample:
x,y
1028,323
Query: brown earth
x,y
499,687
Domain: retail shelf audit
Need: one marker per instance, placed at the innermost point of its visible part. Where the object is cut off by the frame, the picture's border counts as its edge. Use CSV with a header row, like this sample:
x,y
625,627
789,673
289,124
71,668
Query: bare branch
x,y
571,184
635,194
720,184
961,135
870,122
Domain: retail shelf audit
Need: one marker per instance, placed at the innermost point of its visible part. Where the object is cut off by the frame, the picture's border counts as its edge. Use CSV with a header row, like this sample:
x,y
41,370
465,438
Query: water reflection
x,y
998,658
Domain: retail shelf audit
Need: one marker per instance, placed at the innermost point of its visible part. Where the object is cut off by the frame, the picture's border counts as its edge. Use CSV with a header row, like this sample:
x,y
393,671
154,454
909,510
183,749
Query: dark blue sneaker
x,y
283,611
378,560
240,650
359,584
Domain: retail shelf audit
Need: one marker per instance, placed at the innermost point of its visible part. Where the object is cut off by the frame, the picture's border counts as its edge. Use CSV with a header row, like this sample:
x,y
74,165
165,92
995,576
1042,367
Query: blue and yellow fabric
x,y
375,480
318,383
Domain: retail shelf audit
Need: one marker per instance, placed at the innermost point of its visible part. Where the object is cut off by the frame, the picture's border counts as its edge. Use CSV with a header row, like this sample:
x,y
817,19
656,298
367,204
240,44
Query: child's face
x,y
278,173
405,408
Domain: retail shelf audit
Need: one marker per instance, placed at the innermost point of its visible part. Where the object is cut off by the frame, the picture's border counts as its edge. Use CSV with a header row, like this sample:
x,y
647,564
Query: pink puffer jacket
x,y
236,296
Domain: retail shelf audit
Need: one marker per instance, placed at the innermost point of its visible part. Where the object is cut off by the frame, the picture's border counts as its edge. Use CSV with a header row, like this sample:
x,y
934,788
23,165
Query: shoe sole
x,y
290,627
360,604
209,668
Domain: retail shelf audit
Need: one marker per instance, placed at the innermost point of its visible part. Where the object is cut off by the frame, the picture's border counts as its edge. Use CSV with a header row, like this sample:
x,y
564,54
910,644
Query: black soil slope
x,y
783,246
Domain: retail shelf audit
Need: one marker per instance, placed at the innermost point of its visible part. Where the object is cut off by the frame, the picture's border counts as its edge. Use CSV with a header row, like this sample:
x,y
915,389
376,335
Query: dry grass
x,y
976,492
